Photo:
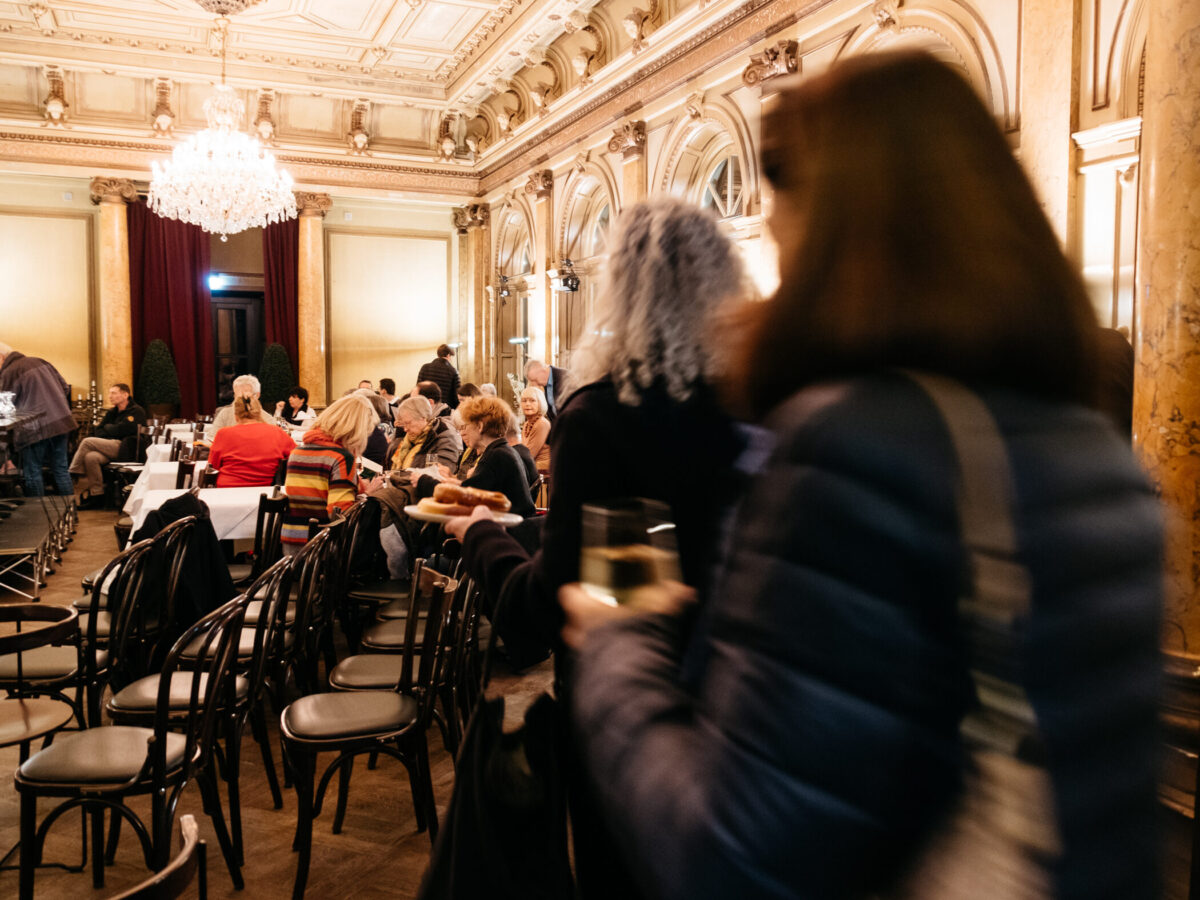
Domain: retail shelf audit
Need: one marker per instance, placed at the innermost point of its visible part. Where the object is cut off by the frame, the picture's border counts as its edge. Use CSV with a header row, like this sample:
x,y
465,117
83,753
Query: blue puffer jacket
x,y
822,740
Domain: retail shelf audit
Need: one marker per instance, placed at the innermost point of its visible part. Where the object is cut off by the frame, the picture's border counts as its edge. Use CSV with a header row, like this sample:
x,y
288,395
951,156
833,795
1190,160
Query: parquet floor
x,y
378,854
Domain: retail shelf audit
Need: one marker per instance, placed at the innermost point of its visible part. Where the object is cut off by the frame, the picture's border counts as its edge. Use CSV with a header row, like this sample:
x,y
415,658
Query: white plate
x,y
508,520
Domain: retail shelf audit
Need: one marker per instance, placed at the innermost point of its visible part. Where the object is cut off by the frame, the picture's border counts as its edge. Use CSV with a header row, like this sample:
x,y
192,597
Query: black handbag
x,y
505,832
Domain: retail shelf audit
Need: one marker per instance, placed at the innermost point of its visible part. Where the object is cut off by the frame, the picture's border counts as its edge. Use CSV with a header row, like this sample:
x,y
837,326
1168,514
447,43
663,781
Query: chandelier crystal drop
x,y
221,179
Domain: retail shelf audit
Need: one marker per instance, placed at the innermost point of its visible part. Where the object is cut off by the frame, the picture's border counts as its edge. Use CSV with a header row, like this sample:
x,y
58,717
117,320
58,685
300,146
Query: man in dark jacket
x,y
443,374
552,381
121,421
40,390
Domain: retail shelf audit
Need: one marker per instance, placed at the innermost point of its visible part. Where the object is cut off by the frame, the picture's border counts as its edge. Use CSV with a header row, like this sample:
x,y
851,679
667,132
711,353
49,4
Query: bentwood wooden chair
x,y
190,864
100,768
392,723
26,714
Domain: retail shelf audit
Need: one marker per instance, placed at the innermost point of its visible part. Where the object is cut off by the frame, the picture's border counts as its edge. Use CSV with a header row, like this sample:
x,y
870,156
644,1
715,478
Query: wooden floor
x,y
378,854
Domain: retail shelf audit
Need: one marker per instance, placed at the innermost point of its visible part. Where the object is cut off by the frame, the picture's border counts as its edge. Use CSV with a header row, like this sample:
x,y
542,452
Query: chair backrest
x,y
211,650
125,583
191,861
422,660
176,449
184,474
268,527
314,561
55,625
207,477
274,589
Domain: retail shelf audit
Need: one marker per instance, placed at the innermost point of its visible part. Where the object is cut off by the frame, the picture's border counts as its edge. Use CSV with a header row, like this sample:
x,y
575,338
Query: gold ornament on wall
x,y
55,106
781,59
162,120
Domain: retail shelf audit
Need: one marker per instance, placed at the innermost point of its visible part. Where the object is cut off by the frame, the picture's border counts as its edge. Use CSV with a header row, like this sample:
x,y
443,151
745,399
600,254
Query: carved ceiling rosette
x,y
113,190
779,60
540,183
309,203
629,139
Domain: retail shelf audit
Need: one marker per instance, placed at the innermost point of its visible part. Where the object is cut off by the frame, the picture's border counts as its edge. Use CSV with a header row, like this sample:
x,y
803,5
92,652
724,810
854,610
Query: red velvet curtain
x,y
281,247
168,287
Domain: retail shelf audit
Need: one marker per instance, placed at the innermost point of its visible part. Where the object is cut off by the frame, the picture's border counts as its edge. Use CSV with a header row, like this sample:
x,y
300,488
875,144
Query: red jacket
x,y
248,454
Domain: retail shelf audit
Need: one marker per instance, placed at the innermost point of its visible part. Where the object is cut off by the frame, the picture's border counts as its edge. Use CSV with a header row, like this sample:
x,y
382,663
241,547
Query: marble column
x,y
1050,47
310,286
114,314
477,358
629,139
542,313
1166,409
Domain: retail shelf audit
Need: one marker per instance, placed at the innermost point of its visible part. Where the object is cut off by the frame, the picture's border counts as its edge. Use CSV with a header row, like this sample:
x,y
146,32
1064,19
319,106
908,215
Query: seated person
x,y
243,386
294,411
377,441
248,453
485,421
321,475
121,421
535,432
424,439
513,436
431,392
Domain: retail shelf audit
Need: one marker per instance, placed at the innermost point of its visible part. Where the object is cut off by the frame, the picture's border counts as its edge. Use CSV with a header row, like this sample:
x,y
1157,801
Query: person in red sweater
x,y
248,454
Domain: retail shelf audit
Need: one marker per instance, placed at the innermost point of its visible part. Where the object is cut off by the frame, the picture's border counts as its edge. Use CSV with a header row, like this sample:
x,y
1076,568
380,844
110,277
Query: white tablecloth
x,y
180,429
233,510
159,452
156,476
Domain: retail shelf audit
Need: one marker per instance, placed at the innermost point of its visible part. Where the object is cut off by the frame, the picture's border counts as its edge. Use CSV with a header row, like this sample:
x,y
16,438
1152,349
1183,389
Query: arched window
x,y
600,230
723,189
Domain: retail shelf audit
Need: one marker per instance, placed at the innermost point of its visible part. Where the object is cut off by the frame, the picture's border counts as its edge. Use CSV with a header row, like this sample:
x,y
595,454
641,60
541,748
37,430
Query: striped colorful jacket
x,y
320,480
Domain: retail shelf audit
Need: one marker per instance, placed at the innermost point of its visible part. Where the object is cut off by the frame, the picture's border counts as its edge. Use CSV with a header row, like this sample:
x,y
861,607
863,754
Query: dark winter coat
x,y
822,740
39,389
442,373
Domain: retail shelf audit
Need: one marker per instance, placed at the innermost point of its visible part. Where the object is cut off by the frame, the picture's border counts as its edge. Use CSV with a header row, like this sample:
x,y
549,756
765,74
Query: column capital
x,y
473,215
309,203
540,183
112,190
629,139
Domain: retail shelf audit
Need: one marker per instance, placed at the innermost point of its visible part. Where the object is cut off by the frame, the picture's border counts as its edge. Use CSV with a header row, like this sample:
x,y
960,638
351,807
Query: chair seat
x,y
240,571
321,717
254,610
103,623
110,754
245,644
390,634
84,603
142,695
382,591
46,664
30,718
367,672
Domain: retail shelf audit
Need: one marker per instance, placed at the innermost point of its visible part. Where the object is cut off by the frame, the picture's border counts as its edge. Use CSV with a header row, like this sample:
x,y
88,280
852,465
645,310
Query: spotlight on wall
x,y
518,340
217,282
567,281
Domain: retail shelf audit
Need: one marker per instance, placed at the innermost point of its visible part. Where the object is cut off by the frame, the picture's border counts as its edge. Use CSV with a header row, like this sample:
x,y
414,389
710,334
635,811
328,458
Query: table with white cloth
x,y
160,452
233,510
183,430
156,476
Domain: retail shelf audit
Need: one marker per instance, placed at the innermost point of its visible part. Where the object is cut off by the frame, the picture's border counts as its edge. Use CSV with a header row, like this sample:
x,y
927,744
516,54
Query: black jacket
x,y
558,381
442,373
118,424
499,469
531,472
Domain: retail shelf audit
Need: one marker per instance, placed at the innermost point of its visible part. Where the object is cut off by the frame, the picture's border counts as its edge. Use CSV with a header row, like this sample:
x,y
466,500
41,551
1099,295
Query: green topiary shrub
x,y
158,382
276,376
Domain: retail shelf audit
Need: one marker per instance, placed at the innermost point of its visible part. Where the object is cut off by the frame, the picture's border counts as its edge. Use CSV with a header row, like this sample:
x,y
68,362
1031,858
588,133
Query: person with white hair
x,y
551,379
641,395
247,387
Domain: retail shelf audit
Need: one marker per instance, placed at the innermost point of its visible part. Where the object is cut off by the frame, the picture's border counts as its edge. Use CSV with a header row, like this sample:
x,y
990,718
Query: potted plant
x,y
275,375
158,383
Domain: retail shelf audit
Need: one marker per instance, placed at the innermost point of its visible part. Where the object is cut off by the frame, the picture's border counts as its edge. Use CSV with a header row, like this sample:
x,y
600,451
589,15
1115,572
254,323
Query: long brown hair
x,y
909,236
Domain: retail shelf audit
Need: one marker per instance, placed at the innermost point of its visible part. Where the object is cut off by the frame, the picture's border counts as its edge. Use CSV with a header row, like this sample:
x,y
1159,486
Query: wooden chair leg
x,y
98,847
302,765
233,785
29,848
212,805
344,772
114,838
258,728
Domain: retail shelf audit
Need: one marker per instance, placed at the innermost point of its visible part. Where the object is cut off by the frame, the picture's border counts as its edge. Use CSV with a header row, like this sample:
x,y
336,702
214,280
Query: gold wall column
x,y
310,289
477,358
542,314
1050,49
629,139
1166,409
113,308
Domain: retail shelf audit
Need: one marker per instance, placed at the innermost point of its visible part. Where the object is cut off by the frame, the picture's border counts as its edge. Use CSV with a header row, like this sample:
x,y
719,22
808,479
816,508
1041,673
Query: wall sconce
x,y
567,281
504,291
519,340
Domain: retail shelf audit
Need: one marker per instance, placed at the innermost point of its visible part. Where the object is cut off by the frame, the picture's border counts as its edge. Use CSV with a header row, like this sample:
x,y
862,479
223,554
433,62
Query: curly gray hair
x,y
669,267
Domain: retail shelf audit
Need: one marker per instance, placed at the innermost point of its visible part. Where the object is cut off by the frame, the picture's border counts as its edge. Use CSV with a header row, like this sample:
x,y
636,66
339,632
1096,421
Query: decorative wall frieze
x,y
112,190
629,139
311,203
44,17
781,59
540,183
473,215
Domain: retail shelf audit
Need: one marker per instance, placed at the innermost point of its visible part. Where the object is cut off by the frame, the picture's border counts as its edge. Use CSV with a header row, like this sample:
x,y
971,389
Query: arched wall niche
x,y
955,34
1125,58
588,187
514,238
695,144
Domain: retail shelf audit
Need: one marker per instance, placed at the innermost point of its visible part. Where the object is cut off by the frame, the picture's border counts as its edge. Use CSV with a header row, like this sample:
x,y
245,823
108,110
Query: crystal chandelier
x,y
221,179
